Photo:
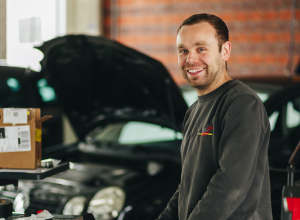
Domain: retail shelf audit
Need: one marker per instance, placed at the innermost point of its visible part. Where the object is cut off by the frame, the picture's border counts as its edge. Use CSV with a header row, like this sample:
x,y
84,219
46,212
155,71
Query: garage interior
x,y
111,158
262,31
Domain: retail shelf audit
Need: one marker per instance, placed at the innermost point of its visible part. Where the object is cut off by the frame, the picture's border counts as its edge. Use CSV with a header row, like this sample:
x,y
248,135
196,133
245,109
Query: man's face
x,y
199,59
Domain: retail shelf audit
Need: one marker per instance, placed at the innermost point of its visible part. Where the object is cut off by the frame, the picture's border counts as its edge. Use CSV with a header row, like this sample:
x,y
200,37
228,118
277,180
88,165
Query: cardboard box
x,y
20,138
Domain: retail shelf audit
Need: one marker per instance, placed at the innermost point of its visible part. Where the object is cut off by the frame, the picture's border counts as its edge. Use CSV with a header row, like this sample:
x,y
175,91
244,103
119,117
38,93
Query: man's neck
x,y
216,84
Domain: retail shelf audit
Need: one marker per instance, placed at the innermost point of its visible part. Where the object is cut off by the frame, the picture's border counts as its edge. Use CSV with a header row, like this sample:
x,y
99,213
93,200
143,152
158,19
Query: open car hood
x,y
98,80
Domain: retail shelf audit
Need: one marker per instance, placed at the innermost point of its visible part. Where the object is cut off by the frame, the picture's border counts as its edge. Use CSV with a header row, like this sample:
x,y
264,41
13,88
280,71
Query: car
x,y
283,109
127,114
25,88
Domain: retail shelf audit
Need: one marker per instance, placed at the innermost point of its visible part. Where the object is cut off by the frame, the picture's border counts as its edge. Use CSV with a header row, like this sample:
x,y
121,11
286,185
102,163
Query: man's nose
x,y
191,58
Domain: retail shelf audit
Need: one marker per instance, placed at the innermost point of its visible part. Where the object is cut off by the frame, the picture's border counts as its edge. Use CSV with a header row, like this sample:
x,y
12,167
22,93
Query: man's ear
x,y
226,49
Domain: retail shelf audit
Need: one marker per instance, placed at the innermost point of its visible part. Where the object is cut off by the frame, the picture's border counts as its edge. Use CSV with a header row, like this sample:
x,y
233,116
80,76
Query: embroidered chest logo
x,y
205,131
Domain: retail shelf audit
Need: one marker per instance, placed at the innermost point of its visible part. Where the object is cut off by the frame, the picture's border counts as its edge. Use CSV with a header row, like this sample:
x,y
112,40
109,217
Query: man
x,y
225,172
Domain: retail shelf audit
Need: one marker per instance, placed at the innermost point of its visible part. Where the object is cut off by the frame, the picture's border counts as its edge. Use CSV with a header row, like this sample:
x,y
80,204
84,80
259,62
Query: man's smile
x,y
195,71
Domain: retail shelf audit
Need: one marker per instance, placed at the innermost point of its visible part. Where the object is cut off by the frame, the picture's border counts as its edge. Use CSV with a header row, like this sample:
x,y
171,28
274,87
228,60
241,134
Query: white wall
x,y
30,22
46,17
84,17
2,30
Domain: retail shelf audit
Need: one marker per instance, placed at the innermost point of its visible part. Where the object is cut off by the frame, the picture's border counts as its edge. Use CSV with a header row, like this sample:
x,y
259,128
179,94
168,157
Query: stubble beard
x,y
210,74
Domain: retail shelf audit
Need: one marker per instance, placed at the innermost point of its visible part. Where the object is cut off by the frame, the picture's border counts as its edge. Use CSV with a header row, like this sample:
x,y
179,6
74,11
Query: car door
x,y
284,115
283,108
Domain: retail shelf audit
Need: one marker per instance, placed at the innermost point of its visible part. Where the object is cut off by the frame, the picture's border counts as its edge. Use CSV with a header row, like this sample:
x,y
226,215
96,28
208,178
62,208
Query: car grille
x,y
39,201
50,201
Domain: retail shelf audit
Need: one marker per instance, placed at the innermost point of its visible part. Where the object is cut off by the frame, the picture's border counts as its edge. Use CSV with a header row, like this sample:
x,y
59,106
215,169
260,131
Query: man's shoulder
x,y
238,88
241,99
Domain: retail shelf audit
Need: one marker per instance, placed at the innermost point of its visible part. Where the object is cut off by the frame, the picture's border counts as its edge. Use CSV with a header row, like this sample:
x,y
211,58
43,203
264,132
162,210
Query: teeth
x,y
194,71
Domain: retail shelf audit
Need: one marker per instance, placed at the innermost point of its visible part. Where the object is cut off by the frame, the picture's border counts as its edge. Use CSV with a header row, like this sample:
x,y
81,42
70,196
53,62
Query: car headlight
x,y
107,203
74,206
21,202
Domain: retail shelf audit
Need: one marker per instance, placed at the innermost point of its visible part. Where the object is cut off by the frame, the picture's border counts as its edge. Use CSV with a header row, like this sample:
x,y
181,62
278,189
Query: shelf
x,y
36,174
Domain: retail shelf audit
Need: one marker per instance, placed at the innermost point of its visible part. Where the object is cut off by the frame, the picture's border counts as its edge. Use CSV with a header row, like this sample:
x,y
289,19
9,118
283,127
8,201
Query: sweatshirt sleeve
x,y
244,127
171,211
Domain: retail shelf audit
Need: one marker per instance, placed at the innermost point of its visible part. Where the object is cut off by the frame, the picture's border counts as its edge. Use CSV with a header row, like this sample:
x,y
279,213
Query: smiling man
x,y
225,172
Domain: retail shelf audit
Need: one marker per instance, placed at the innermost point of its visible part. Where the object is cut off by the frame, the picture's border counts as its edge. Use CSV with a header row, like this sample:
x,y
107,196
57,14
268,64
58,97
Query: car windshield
x,y
133,132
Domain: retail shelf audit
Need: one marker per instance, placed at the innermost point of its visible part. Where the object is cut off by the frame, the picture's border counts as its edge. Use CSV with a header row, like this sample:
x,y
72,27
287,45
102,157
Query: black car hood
x,y
98,80
86,173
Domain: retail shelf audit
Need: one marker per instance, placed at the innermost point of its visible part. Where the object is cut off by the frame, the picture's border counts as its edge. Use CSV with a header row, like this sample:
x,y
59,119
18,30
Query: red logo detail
x,y
207,131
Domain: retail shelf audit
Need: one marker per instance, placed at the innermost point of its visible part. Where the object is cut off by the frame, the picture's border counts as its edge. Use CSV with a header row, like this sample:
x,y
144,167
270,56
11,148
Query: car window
x,y
46,92
15,94
273,119
17,90
141,132
190,97
262,96
293,113
285,121
134,132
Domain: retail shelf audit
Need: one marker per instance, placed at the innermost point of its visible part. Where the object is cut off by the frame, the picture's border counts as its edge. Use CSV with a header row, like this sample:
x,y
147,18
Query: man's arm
x,y
245,128
171,212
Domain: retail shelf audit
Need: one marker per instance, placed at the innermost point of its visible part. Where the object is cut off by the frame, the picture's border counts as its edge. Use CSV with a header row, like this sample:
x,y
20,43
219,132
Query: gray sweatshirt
x,y
225,172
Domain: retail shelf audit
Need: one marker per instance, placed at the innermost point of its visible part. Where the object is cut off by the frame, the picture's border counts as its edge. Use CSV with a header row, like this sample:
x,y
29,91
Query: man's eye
x,y
183,51
201,49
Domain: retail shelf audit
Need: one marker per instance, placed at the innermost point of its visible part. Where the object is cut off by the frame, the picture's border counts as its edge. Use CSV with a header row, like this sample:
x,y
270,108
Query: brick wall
x,y
259,31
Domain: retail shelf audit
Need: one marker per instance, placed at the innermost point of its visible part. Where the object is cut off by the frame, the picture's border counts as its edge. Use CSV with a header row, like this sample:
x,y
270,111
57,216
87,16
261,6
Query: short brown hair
x,y
222,33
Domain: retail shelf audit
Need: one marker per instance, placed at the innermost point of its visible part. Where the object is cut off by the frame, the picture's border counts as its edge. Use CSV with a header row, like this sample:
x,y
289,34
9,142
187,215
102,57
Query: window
x,y
190,97
286,120
141,132
262,96
273,119
13,93
46,92
135,132
29,23
293,113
